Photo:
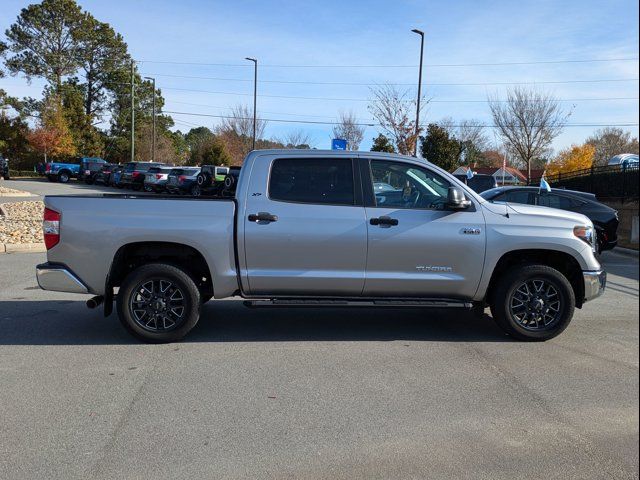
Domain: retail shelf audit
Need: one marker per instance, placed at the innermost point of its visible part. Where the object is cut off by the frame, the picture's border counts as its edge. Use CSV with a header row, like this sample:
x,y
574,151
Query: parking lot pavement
x,y
330,393
41,187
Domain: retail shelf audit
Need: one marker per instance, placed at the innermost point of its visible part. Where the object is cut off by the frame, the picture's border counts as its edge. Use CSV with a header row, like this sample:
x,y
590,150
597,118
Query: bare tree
x,y
471,137
611,141
296,139
349,130
395,112
528,121
240,122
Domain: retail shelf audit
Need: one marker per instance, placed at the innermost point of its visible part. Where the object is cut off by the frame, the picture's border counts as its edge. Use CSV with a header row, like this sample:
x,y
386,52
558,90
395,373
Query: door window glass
x,y
403,185
312,180
518,196
554,201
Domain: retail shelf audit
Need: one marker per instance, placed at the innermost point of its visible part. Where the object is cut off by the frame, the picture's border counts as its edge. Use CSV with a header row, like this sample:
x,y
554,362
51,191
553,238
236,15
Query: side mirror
x,y
456,199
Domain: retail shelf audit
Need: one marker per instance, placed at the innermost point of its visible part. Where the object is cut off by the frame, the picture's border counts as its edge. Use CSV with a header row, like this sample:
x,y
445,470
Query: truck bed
x,y
94,227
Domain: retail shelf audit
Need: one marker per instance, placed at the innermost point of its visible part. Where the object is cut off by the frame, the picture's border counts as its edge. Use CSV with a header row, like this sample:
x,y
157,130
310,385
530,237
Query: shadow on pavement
x,y
71,323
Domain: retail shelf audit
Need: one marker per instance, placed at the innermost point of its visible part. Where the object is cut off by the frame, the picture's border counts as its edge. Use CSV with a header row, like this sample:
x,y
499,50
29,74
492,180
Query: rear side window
x,y
554,201
312,180
522,196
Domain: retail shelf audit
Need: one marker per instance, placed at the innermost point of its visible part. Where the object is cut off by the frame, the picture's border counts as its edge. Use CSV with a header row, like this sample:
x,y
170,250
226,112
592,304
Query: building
x,y
506,176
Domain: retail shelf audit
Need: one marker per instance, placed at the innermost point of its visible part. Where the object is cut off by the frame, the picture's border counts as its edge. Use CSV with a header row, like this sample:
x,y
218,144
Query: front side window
x,y
403,185
312,180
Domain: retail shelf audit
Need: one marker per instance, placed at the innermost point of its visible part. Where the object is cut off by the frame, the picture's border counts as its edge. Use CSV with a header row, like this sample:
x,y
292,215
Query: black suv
x,y
134,172
210,180
604,218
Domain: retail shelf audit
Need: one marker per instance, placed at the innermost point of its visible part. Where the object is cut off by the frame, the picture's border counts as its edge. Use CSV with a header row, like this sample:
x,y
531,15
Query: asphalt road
x,y
40,187
330,393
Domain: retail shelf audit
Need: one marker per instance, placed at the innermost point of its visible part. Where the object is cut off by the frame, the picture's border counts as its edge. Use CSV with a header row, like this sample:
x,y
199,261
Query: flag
x,y
469,173
544,184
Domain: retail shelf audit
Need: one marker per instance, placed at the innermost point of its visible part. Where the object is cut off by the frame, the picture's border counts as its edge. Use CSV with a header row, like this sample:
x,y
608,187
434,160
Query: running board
x,y
395,303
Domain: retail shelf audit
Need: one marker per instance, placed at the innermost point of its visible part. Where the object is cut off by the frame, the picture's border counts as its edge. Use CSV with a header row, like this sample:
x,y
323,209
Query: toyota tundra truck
x,y
301,228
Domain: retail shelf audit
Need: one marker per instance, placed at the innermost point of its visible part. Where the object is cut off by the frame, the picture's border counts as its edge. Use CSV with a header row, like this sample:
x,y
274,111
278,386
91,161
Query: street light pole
x,y
421,33
133,110
153,139
255,96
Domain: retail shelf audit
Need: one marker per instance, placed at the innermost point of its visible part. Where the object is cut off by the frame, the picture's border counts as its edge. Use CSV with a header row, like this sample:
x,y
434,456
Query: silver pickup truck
x,y
312,228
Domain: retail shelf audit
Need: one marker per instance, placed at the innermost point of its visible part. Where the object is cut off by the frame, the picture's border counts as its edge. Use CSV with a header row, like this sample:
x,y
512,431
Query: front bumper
x,y
594,284
59,278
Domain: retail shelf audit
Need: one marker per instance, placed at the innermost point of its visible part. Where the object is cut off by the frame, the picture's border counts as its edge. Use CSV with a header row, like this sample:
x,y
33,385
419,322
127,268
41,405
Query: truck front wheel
x,y
533,302
158,303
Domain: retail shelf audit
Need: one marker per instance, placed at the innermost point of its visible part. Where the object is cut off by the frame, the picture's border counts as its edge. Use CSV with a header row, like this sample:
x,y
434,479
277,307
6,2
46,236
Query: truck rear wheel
x,y
63,177
533,302
158,303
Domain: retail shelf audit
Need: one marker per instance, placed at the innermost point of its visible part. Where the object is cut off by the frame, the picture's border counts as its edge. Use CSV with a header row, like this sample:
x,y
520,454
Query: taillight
x,y
182,178
51,228
158,176
47,167
135,174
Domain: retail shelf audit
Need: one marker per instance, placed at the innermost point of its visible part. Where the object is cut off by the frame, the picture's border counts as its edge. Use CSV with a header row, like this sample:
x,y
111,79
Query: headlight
x,y
586,234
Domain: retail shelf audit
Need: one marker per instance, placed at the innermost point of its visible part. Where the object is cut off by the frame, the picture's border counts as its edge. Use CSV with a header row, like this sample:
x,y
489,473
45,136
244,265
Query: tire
x,y
147,188
63,177
148,277
550,318
203,179
195,191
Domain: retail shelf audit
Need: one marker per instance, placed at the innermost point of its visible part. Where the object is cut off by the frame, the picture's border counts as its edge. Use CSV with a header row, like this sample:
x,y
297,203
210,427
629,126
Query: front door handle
x,y
384,220
262,217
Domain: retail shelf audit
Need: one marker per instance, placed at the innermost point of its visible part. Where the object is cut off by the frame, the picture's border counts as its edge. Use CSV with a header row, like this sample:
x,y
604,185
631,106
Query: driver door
x,y
416,246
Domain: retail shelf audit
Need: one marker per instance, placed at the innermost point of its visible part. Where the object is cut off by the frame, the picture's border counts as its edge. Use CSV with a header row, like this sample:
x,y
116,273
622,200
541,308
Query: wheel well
x,y
561,261
133,255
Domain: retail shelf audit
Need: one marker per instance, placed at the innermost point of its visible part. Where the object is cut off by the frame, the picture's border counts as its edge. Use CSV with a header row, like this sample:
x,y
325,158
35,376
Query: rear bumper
x,y
59,278
594,284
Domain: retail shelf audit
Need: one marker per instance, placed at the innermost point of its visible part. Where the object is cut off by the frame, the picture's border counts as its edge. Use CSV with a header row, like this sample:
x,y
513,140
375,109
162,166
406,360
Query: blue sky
x,y
354,33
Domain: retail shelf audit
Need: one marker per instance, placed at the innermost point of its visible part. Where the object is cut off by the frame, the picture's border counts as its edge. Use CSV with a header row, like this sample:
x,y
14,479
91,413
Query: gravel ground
x,y
21,222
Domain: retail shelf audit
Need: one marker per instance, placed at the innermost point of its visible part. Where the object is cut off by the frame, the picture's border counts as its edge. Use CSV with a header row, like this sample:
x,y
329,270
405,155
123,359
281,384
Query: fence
x,y
611,181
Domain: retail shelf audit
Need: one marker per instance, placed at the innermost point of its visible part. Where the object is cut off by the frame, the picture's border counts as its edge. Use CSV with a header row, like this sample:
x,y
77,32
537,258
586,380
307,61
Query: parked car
x,y
304,228
183,180
480,182
625,160
4,168
134,173
155,179
210,180
89,168
103,176
604,218
63,172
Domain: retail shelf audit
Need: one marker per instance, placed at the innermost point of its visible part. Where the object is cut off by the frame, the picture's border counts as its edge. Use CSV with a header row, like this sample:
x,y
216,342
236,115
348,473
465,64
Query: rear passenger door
x,y
304,229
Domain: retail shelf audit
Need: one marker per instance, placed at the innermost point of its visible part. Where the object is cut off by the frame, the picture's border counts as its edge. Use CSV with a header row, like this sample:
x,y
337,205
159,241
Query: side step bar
x,y
394,303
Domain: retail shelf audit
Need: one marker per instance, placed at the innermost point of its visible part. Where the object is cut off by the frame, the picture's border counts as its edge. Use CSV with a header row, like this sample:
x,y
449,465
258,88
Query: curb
x,y
22,248
626,251
18,194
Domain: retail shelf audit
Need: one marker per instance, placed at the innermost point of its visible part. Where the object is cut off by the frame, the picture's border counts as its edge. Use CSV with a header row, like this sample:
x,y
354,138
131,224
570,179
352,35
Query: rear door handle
x,y
262,217
384,220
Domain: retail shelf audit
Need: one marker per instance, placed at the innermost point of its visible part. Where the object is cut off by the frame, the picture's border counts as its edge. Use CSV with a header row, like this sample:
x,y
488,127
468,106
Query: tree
x,y
577,157
215,153
297,139
439,148
528,121
471,138
396,115
382,144
86,137
349,130
44,40
52,137
611,141
102,52
196,139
